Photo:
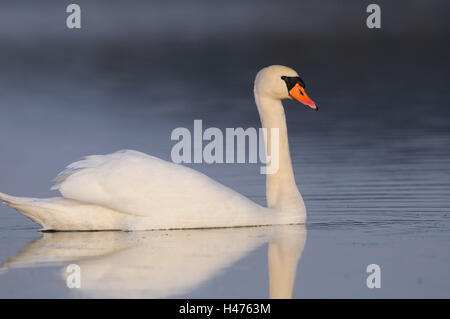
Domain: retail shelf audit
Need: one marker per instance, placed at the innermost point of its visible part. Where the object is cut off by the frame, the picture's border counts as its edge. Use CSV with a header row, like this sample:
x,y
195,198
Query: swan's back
x,y
164,194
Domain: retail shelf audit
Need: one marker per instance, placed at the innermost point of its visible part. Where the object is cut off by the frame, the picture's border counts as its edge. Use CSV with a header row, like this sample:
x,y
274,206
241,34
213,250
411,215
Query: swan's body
x,y
129,190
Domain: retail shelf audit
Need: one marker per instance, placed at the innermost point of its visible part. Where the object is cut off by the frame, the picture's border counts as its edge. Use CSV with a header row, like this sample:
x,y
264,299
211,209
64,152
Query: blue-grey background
x,y
373,164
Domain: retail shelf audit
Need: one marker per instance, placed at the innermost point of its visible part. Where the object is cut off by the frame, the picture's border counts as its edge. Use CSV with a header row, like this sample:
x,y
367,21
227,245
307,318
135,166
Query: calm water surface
x,y
373,164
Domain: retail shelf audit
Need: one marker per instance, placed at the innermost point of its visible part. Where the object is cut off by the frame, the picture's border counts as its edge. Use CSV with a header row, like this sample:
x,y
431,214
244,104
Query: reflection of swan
x,y
164,263
129,190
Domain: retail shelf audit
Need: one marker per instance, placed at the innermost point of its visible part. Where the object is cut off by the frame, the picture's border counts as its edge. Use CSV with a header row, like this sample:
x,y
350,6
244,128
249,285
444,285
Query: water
x,y
372,165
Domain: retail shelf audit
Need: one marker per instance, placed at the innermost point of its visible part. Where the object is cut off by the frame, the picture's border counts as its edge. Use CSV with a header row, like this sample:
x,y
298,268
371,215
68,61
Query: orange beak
x,y
298,93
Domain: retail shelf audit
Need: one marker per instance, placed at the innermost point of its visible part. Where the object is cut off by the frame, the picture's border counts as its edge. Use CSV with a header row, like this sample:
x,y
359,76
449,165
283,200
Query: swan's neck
x,y
281,190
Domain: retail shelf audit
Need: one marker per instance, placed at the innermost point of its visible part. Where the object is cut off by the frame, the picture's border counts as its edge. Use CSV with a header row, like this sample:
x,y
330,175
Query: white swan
x,y
129,190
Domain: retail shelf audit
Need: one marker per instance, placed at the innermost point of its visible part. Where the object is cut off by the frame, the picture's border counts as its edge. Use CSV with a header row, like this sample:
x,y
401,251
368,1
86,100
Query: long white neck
x,y
281,190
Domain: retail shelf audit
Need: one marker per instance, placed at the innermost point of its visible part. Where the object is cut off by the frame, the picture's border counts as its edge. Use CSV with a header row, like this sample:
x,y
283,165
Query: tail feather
x,y
7,199
13,200
65,214
27,206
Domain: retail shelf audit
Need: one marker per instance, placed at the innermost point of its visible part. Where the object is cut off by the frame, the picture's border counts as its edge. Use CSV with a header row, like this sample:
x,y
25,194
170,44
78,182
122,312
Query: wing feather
x,y
134,182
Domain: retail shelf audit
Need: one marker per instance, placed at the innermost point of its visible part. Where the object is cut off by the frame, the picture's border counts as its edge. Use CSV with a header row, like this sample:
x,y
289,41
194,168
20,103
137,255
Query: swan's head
x,y
280,82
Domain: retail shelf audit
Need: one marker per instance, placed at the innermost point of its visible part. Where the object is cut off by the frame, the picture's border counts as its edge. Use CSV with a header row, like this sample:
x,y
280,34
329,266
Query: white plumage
x,y
129,190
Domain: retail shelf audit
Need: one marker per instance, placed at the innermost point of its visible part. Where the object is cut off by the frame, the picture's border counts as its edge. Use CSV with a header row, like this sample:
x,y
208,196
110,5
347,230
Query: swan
x,y
130,190
162,264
